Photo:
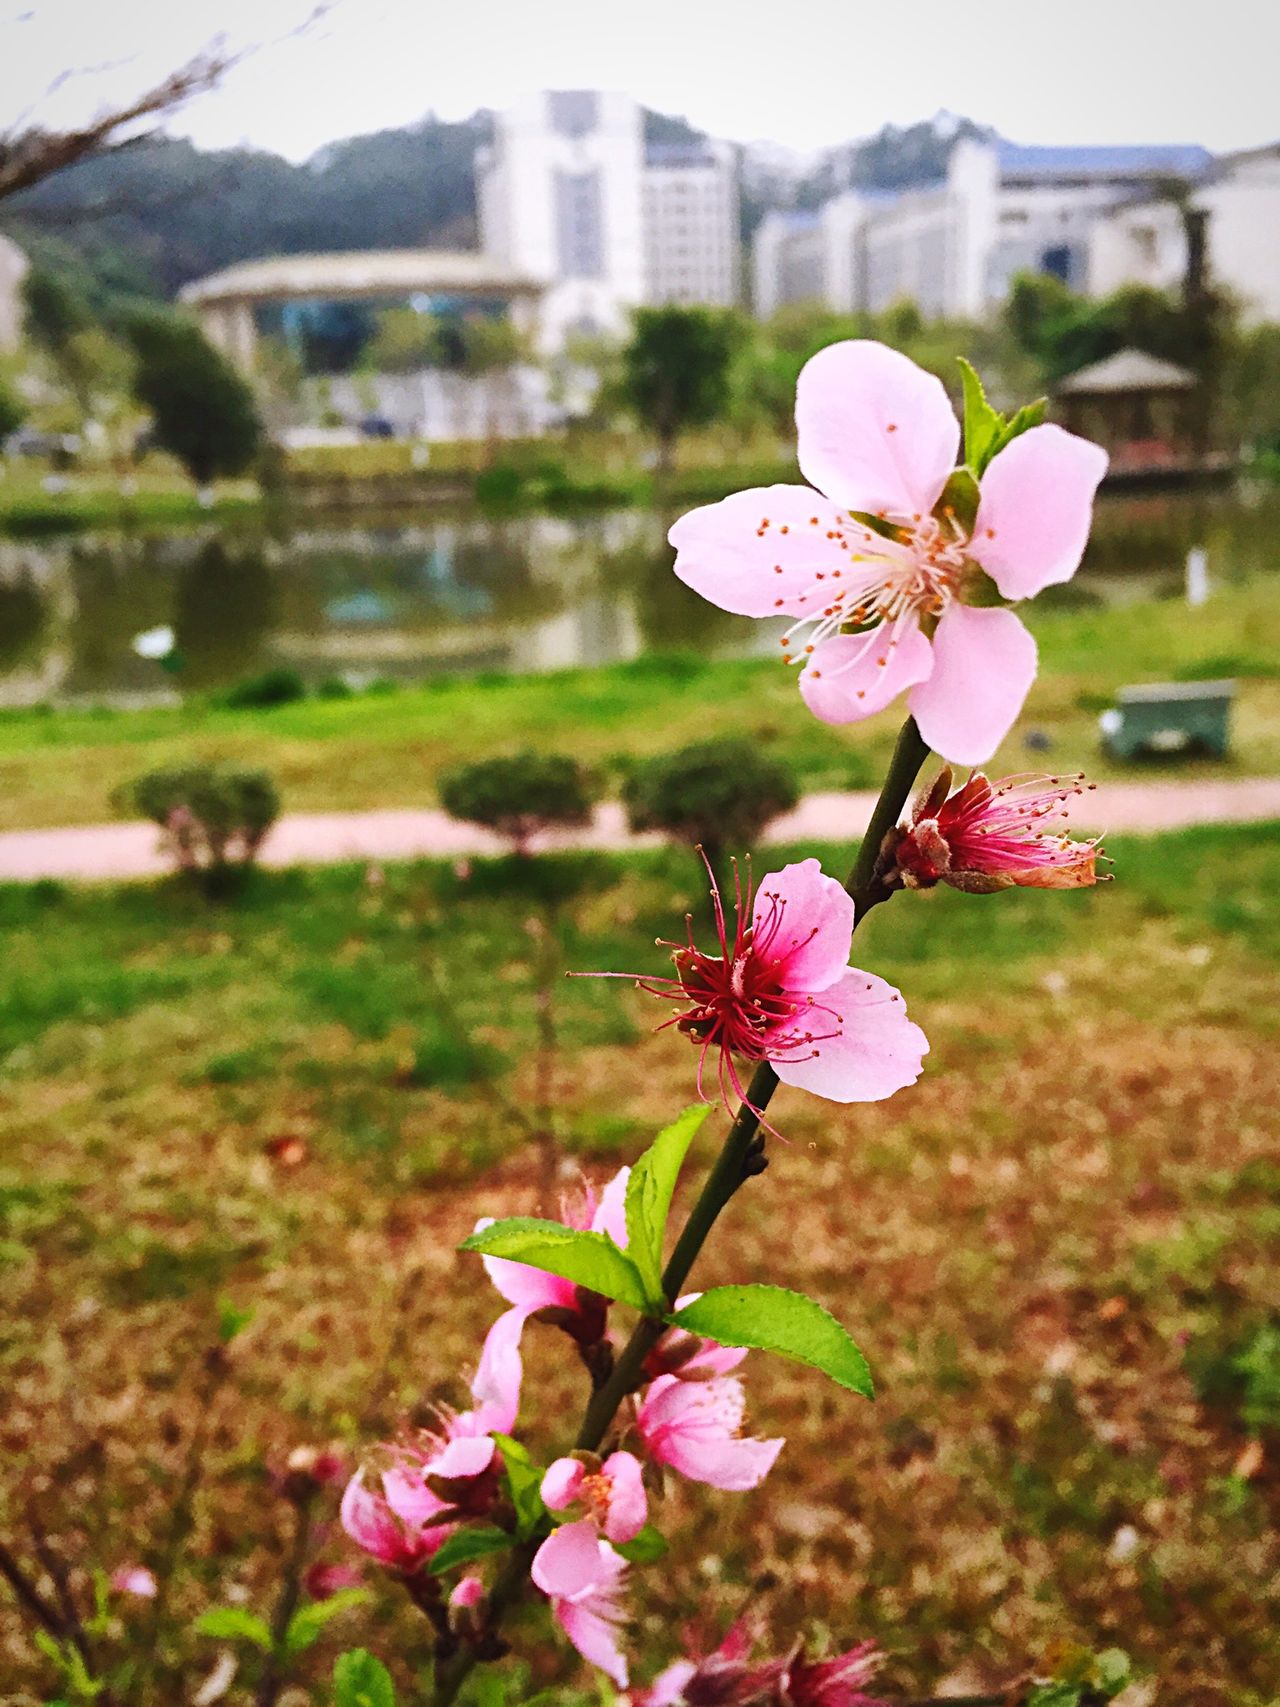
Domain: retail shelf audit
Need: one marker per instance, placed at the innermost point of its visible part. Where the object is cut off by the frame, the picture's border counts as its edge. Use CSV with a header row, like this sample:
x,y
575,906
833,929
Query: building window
x,y
580,225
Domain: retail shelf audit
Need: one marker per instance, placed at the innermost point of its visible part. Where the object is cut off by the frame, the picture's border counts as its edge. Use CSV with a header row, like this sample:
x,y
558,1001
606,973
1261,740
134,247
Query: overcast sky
x,y
804,73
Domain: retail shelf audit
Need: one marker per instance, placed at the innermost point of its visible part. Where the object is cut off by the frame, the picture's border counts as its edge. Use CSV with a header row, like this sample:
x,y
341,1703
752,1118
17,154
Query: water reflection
x,y
419,598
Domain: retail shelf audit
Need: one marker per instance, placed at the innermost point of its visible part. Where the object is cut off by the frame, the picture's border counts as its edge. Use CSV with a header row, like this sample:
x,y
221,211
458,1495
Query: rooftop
x,y
1182,160
360,273
1127,370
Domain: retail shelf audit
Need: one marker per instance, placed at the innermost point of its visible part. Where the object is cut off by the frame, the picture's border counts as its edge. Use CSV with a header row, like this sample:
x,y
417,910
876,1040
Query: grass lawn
x,y
1058,1250
389,749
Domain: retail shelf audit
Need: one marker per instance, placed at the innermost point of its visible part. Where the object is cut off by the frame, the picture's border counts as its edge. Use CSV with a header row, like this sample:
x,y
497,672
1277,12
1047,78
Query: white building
x,y
1144,240
953,247
13,269
567,195
690,198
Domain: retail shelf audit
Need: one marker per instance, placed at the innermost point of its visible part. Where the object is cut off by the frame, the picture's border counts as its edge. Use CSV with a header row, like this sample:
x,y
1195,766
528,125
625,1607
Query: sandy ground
x,y
109,851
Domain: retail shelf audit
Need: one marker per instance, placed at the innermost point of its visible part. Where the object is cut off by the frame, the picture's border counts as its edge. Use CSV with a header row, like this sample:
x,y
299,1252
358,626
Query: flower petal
x,y
628,1505
496,1387
877,1049
759,552
611,1213
527,1287
802,921
571,1561
561,1483
876,433
984,662
1035,509
592,1622
853,676
463,1458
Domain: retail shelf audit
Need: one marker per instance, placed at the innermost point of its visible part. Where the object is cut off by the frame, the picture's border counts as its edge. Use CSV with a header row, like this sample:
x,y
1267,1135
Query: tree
x,y
13,411
403,341
202,411
520,796
676,371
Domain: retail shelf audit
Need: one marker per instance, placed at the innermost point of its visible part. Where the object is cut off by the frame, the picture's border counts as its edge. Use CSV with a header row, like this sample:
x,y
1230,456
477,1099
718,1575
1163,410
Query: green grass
x,y
388,749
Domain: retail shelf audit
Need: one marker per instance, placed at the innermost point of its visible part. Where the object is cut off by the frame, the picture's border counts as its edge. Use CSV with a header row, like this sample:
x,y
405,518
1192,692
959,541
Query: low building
x,y
1139,408
1144,239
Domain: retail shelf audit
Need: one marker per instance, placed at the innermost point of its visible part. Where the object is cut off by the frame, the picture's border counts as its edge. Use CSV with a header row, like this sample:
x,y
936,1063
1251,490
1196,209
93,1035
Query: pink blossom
x,y
532,1292
582,1577
782,991
323,1580
613,1495
880,610
401,1514
837,1682
136,1580
988,836
468,1592
693,1426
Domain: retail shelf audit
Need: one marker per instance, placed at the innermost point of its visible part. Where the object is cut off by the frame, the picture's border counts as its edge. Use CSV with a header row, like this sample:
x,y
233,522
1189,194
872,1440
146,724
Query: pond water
x,y
341,601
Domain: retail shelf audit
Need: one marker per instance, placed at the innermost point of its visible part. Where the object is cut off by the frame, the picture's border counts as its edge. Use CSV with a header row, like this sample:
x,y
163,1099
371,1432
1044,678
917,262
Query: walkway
x,y
110,851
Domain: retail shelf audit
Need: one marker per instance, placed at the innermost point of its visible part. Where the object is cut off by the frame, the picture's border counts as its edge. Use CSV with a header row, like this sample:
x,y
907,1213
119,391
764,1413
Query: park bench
x,y
1169,717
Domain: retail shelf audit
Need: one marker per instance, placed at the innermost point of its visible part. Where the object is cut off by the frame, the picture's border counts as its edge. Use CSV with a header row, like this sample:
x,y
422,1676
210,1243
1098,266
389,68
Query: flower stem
x,y
740,1157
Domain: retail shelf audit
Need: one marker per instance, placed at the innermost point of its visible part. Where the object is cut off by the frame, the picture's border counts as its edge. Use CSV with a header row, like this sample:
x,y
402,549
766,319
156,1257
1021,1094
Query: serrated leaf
x,y
649,1191
522,1479
234,1624
982,424
1030,415
771,1318
359,1680
649,1545
308,1621
588,1259
465,1546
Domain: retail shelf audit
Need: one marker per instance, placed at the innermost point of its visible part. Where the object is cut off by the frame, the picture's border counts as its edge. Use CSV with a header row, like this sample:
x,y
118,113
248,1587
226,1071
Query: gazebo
x,y
1138,406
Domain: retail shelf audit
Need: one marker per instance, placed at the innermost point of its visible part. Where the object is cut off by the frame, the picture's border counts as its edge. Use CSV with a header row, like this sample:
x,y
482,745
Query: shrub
x,y
278,686
714,794
214,820
520,795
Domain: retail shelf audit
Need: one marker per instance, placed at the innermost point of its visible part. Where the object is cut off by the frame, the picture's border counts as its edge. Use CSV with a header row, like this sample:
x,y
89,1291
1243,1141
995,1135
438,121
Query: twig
x,y
287,1601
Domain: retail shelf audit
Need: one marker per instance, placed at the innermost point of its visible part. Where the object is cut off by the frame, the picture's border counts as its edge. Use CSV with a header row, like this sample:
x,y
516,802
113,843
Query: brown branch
x,y
28,1595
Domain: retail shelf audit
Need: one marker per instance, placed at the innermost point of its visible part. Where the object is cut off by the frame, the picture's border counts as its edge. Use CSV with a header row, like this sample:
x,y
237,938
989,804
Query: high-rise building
x,y
691,223
567,194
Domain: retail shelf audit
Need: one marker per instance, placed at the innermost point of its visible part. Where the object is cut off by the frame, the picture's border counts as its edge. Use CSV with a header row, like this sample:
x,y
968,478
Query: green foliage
x,y
213,819
54,311
986,430
1258,1366
277,686
202,410
771,1318
590,1260
403,341
649,1192
235,1624
309,1622
465,1546
522,1482
1082,1679
360,1680
676,370
520,795
645,1548
13,411
714,794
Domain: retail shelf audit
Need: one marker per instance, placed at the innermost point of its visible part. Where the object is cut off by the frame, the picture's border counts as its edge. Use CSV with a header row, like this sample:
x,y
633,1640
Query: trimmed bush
x,y
277,686
213,820
520,795
718,795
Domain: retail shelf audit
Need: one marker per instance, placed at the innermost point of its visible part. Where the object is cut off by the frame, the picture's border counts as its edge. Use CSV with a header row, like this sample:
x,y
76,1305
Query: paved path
x,y
109,851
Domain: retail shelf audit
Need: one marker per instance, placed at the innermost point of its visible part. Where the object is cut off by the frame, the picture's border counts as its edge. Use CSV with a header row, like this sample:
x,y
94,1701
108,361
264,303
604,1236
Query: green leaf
x,y
522,1479
1111,1671
359,1680
234,1624
308,1621
649,1545
465,1546
649,1193
769,1318
231,1320
1030,415
589,1259
960,495
982,424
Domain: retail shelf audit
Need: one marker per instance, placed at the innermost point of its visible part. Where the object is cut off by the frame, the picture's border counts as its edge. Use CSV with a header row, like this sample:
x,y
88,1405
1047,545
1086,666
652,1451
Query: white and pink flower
x,y
693,1426
582,1577
989,836
875,571
782,991
613,1495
